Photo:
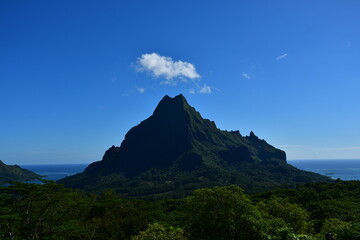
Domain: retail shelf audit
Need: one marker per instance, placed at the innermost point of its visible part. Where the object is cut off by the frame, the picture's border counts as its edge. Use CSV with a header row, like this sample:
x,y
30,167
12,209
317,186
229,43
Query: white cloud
x,y
245,75
165,67
282,56
205,89
192,91
141,90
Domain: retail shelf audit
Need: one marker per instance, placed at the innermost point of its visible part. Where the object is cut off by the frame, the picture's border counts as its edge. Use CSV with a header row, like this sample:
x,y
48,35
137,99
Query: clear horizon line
x,y
308,159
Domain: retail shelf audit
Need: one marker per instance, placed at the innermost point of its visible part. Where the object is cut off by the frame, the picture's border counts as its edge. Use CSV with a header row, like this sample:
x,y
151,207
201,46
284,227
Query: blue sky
x,y
75,76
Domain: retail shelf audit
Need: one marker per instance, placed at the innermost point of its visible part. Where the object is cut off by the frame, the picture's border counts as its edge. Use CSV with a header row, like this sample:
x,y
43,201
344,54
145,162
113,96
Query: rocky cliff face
x,y
176,141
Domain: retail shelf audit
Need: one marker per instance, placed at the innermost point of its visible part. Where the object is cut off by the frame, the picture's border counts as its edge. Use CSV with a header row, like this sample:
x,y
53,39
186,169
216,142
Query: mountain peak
x,y
177,150
253,136
168,104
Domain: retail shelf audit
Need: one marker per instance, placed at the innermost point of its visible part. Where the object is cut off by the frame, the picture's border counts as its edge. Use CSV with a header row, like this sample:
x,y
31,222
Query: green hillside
x,y
15,173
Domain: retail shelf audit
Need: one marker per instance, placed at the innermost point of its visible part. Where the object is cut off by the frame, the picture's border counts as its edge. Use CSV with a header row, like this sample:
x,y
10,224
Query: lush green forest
x,y
51,211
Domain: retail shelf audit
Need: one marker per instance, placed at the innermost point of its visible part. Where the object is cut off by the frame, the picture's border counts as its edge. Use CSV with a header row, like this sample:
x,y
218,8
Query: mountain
x,y
175,151
15,173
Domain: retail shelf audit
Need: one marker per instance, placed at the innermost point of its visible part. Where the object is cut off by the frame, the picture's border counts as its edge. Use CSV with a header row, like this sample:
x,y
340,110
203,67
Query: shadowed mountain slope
x,y
175,151
15,173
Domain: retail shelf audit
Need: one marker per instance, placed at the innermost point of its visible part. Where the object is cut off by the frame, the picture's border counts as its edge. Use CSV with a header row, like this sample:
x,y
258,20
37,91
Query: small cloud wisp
x,y
281,56
141,90
245,75
205,89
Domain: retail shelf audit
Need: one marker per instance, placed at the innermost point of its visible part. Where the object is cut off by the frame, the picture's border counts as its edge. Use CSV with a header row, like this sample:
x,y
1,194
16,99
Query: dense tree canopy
x,y
50,211
222,213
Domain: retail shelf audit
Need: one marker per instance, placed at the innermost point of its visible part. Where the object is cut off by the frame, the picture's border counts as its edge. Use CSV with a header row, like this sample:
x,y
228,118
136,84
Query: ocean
x,y
343,169
56,171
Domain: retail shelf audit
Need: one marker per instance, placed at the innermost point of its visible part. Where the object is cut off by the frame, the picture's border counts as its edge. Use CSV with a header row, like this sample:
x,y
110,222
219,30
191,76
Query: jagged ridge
x,y
175,141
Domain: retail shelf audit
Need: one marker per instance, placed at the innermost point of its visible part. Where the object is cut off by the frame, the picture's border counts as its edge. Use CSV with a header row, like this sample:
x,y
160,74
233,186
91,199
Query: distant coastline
x,y
345,169
56,171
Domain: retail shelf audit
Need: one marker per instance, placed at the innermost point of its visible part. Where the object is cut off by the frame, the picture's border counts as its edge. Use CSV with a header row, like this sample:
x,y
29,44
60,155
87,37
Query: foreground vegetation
x,y
50,211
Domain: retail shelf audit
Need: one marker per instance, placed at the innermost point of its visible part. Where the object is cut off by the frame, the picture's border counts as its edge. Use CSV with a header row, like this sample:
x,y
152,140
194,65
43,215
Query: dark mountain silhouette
x,y
176,150
15,173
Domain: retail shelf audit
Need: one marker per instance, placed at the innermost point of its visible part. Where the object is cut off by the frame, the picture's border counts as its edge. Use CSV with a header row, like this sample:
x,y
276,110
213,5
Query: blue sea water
x,y
56,171
343,169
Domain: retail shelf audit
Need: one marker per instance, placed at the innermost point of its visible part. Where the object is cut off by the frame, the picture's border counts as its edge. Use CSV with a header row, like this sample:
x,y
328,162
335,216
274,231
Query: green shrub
x,y
159,232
